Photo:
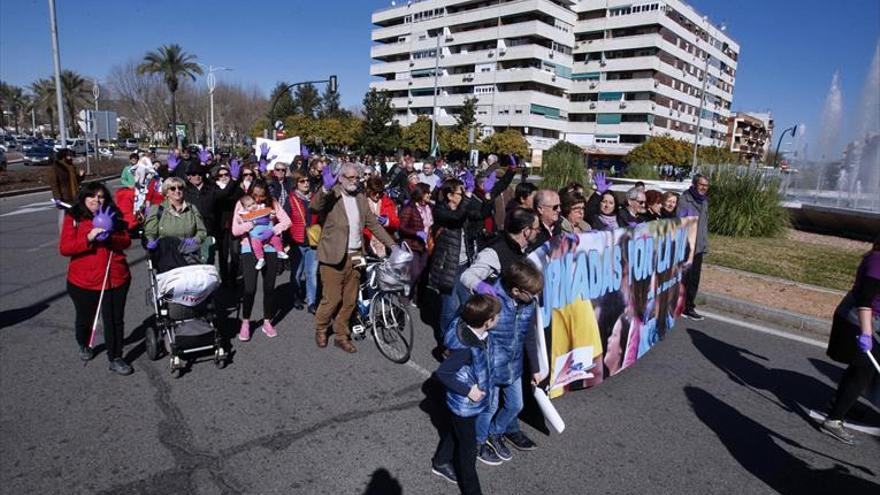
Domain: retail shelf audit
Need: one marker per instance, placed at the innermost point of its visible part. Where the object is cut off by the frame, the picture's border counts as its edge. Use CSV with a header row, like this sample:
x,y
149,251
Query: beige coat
x,y
333,245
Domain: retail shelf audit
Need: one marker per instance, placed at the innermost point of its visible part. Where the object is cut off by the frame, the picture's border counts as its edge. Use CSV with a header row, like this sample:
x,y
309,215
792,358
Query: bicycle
x,y
380,310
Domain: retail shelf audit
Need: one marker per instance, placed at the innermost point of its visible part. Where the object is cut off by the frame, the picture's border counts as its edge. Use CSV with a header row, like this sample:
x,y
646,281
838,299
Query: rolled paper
x,y
550,413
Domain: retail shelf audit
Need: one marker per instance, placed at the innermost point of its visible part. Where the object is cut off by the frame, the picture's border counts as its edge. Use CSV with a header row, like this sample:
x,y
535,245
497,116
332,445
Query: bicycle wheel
x,y
392,327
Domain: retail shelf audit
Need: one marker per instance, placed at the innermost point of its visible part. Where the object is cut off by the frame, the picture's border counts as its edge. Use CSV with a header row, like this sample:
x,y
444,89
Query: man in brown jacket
x,y
344,211
64,179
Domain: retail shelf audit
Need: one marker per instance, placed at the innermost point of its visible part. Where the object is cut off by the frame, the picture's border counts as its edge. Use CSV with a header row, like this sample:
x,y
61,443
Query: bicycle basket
x,y
392,276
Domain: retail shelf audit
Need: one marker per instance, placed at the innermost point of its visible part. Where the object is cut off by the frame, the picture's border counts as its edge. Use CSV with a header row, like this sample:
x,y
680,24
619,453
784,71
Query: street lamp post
x,y
432,150
56,59
96,92
211,80
793,131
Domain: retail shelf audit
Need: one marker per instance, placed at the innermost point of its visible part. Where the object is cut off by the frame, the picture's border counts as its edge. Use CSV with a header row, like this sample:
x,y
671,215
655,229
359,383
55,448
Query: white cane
x,y
100,301
873,361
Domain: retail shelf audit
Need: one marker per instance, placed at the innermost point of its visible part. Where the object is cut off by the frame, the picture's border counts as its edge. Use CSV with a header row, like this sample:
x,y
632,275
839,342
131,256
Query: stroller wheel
x,y
219,359
152,342
177,366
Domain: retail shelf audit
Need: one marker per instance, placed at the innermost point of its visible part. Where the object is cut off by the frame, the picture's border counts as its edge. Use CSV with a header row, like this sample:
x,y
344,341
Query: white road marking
x,y
769,331
32,209
422,371
43,245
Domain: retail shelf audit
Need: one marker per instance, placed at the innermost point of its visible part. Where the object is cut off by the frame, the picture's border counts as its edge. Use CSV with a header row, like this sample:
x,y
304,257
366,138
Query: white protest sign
x,y
284,151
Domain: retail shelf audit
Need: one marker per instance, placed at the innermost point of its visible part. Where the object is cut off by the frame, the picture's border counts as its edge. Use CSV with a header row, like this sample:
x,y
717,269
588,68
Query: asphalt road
x,y
716,408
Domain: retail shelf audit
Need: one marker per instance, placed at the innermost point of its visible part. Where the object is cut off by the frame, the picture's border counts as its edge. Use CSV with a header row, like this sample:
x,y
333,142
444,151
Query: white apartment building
x,y
749,135
604,74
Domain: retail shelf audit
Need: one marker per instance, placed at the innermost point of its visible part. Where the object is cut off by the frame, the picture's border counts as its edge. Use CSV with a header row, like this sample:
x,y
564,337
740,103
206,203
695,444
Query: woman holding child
x,y
260,242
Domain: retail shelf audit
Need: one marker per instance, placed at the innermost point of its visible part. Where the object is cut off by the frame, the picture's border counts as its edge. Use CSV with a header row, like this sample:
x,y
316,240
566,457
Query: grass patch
x,y
833,267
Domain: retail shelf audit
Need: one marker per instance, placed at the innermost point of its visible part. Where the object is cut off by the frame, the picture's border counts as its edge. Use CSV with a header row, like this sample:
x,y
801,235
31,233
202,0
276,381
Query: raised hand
x,y
490,182
235,168
204,156
304,152
601,184
328,177
264,165
173,161
264,151
104,219
469,181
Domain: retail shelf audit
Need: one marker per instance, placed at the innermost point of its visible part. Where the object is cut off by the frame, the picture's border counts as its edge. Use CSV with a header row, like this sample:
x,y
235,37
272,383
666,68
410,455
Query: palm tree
x,y
77,93
172,64
44,99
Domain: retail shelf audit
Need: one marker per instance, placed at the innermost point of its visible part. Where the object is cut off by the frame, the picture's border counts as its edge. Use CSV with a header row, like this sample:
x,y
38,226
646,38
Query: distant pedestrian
x,y
64,179
695,202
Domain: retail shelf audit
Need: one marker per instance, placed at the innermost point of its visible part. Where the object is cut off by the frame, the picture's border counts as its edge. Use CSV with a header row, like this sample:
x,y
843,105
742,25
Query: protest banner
x,y
279,151
609,297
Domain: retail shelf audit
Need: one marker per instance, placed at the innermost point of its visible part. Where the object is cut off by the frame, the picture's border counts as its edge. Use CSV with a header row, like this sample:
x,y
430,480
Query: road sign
x,y
103,123
279,135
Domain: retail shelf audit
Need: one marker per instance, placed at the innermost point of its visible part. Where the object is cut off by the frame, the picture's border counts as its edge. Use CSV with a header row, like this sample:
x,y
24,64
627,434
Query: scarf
x,y
427,217
608,220
699,198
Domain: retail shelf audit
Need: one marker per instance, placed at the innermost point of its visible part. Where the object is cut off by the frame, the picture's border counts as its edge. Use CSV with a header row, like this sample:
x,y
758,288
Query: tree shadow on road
x,y
15,316
382,483
755,447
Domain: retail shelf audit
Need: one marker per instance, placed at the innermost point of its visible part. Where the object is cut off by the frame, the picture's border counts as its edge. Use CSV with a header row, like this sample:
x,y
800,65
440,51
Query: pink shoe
x,y
268,329
244,334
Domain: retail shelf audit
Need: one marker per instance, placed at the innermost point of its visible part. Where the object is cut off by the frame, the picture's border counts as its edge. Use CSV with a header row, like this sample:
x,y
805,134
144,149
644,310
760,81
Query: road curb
x,y
22,192
777,280
793,322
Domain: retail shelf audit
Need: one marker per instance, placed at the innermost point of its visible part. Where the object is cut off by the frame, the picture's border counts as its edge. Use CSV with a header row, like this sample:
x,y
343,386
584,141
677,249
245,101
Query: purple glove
x,y
103,236
866,342
264,220
328,177
490,182
173,161
265,235
104,219
235,169
190,243
601,185
264,151
304,152
422,235
152,244
469,181
513,162
264,165
204,156
485,289
573,238
383,220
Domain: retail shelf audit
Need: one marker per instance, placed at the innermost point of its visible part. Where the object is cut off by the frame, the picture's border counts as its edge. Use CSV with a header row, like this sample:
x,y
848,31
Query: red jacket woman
x,y
94,237
384,208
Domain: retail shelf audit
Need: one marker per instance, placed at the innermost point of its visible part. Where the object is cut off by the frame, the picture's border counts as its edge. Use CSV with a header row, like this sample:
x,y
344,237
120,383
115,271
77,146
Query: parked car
x,y
27,143
79,147
130,145
2,161
10,143
38,155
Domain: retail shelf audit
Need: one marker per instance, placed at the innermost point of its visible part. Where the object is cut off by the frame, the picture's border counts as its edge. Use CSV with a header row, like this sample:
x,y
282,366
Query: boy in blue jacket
x,y
467,375
515,332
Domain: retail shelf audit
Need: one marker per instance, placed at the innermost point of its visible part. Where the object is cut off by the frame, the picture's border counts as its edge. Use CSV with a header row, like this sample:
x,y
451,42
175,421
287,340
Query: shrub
x,y
562,164
641,171
745,204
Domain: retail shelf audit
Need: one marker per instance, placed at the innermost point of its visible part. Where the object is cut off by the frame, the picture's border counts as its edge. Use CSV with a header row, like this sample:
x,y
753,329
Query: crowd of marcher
x,y
469,230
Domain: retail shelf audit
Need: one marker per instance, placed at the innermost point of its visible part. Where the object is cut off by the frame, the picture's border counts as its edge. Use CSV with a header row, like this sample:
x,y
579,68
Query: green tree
x,y
338,133
15,101
330,106
380,133
284,106
506,142
563,163
77,92
306,100
416,137
304,127
172,64
44,99
660,150
467,117
716,155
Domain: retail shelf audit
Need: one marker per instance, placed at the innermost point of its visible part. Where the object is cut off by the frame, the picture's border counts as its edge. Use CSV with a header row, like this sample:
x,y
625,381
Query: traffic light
x,y
333,84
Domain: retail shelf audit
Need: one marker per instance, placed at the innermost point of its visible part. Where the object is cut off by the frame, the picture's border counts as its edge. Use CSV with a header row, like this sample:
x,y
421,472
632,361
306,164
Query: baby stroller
x,y
183,308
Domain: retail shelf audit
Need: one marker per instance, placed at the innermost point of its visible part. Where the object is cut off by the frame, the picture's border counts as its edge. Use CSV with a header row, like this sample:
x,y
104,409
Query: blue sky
x,y
790,48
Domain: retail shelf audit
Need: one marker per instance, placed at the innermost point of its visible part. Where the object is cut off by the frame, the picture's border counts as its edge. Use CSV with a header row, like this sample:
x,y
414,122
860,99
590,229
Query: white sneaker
x,y
260,264
282,255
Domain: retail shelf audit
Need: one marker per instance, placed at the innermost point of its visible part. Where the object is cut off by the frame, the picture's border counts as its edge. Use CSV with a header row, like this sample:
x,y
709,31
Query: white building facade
x,y
605,73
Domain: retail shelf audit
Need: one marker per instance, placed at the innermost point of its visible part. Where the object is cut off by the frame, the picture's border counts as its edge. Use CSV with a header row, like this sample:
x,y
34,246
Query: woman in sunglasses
x,y
178,218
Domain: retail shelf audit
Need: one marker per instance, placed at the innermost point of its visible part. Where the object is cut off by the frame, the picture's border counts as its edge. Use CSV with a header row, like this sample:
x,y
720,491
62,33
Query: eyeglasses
x,y
580,207
301,181
175,188
247,175
641,202
281,170
552,207
223,174
350,177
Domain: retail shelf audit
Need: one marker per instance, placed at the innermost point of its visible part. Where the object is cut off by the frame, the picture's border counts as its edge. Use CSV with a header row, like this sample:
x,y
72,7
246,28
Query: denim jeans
x,y
304,265
451,302
505,420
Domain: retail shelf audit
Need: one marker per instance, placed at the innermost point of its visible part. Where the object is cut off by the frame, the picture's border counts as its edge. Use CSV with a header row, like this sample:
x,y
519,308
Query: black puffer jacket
x,y
448,227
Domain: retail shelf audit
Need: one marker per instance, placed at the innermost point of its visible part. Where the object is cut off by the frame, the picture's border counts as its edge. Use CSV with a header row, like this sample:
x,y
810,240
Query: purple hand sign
x,y
601,184
328,177
235,168
104,219
173,161
469,181
264,151
490,182
304,152
204,156
264,165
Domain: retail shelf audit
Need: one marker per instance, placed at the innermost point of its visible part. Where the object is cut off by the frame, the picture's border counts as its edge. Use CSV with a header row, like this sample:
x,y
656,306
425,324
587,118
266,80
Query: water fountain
x,y
845,197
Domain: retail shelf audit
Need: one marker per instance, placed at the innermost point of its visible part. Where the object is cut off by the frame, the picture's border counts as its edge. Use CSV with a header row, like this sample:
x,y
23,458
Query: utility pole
x,y
211,81
700,113
56,58
96,92
434,107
